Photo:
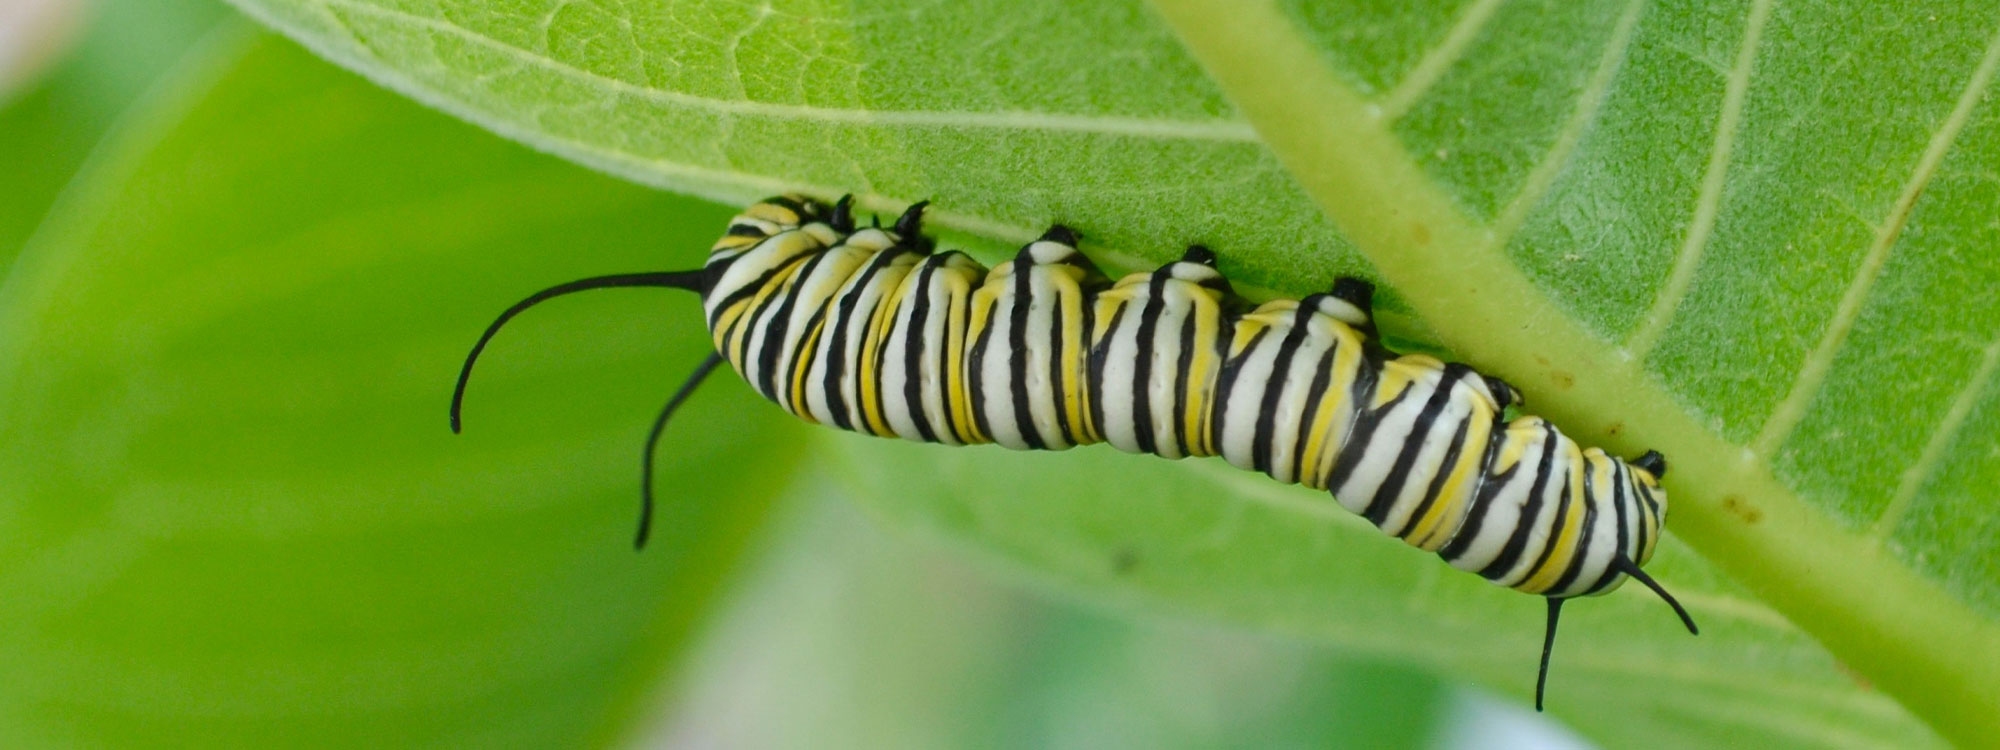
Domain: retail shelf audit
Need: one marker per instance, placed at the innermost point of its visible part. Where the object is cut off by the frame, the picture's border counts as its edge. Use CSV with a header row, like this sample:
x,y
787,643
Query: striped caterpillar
x,y
871,330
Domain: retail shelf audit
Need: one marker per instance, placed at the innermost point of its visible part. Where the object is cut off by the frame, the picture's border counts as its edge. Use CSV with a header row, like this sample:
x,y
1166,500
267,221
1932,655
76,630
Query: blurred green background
x,y
238,283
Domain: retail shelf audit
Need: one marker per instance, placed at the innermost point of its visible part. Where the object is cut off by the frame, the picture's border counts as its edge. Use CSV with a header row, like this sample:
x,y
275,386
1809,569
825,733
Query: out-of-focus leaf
x,y
854,637
234,513
48,129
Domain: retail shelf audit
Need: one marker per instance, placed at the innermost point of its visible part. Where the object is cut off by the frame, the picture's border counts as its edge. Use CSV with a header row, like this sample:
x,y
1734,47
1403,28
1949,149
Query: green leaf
x,y
235,515
1754,237
852,637
47,130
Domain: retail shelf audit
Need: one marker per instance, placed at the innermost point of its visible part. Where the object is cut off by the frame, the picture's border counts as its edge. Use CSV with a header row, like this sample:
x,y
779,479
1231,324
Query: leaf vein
x,y
1813,372
1551,165
1438,60
1708,202
1920,473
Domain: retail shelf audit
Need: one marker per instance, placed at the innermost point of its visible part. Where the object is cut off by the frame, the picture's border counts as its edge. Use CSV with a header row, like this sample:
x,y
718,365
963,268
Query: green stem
x,y
1907,635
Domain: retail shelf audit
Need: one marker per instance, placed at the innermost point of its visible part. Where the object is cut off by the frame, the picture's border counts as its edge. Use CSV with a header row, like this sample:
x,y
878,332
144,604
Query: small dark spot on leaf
x,y
1562,380
1420,233
1614,429
1124,560
1741,508
1859,681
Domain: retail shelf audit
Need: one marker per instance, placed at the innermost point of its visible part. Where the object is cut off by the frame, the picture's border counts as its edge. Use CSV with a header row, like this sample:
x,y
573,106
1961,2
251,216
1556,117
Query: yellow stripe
x,y
1199,380
1321,444
734,242
1569,531
960,333
727,339
1075,397
1448,511
879,327
1266,316
773,213
802,359
1400,374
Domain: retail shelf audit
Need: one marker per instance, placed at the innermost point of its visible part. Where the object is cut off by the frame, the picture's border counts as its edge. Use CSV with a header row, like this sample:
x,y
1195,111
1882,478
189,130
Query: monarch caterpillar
x,y
871,330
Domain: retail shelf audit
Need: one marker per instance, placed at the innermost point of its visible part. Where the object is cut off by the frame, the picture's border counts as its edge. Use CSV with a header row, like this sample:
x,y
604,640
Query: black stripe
x,y
739,333
1361,436
1142,370
792,205
1618,503
946,373
1099,353
1517,541
1590,500
1437,480
913,354
1274,389
1225,384
712,270
892,305
754,322
1413,446
1184,380
1621,503
1568,494
806,354
844,312
745,292
1489,487
1225,341
1017,360
1057,377
975,371
776,330
1089,430
746,230
1322,381
1643,501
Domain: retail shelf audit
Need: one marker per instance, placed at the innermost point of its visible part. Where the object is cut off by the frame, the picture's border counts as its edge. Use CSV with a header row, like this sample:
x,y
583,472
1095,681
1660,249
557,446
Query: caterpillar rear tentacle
x,y
871,330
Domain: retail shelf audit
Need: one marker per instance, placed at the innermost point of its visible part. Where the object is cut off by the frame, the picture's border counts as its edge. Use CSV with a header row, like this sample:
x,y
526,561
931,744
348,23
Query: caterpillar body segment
x,y
871,330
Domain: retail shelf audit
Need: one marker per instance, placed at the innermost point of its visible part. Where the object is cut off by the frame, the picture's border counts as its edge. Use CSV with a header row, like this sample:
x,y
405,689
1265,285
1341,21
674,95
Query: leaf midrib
x,y
1908,635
